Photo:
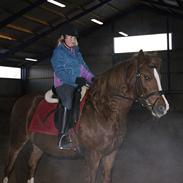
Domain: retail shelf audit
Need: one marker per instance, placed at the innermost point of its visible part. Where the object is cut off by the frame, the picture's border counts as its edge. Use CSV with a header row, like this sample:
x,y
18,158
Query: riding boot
x,y
64,137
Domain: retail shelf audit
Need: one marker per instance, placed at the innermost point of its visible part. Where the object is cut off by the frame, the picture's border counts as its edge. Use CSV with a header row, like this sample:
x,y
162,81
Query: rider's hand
x,y
80,81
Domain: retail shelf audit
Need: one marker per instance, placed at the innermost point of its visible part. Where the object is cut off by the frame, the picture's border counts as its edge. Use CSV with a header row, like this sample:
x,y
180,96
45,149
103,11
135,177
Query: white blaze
x,y
156,75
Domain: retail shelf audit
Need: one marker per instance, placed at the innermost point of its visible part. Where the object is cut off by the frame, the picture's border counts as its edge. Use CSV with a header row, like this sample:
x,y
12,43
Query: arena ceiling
x,y
29,28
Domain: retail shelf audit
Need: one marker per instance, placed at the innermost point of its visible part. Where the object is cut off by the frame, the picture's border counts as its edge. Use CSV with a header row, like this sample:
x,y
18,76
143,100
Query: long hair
x,y
61,40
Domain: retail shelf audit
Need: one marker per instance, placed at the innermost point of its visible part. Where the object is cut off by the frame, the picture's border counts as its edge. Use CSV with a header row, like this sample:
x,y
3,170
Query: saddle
x,y
45,115
51,97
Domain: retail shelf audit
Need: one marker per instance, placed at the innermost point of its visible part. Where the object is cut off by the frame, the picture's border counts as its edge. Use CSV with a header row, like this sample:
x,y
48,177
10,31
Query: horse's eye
x,y
146,77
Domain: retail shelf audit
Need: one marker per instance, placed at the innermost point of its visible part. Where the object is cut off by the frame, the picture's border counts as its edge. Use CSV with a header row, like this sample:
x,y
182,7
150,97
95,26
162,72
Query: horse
x,y
103,122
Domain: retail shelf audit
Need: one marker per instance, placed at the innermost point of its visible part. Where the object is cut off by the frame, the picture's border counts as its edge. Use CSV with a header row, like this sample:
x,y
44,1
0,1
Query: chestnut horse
x,y
103,120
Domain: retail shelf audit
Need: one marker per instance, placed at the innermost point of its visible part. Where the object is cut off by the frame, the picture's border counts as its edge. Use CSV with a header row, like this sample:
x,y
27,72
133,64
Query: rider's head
x,y
69,35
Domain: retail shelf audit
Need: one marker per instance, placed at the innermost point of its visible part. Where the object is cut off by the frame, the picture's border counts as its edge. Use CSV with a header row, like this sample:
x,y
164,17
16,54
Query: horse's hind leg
x,y
33,161
14,150
107,163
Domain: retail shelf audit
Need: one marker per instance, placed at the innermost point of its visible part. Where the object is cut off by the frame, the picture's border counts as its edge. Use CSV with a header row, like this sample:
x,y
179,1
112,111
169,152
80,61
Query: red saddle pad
x,y
43,118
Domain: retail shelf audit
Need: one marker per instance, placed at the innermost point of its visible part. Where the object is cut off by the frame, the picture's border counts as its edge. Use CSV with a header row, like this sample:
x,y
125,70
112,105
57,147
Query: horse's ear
x,y
141,53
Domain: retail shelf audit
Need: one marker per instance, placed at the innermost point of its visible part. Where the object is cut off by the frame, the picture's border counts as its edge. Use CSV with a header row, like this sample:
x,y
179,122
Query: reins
x,y
124,97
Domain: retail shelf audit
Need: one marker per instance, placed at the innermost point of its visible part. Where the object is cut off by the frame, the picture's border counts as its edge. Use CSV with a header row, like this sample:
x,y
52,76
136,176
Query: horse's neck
x,y
113,92
122,107
113,109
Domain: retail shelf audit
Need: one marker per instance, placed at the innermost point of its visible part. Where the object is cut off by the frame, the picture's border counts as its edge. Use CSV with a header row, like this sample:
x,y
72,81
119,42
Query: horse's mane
x,y
120,78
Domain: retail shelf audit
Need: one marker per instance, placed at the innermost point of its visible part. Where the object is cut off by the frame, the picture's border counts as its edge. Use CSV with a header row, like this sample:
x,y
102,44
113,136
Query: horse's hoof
x,y
5,180
31,180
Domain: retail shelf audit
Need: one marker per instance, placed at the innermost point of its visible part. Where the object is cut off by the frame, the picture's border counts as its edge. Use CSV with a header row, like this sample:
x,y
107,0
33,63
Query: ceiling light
x,y
31,59
57,3
96,21
123,34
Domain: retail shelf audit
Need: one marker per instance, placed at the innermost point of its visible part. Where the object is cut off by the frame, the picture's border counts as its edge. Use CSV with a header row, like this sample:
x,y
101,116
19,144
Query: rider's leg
x,y
65,94
64,138
76,106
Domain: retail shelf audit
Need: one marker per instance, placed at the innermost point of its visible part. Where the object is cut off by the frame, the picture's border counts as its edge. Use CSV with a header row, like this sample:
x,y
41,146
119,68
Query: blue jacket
x,y
67,65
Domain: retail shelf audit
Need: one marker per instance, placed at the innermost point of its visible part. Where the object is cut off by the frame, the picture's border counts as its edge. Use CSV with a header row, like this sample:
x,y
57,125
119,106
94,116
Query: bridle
x,y
141,98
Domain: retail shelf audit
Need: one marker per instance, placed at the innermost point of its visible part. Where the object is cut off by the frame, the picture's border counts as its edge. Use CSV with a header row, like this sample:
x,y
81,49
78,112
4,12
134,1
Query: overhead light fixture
x,y
31,59
123,34
57,3
97,21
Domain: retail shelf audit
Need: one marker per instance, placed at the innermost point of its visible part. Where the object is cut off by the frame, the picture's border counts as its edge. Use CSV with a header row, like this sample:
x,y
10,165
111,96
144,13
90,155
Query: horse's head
x,y
148,88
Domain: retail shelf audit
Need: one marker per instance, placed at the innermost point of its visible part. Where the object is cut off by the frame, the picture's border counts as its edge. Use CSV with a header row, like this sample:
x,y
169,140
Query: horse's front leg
x,y
93,161
107,164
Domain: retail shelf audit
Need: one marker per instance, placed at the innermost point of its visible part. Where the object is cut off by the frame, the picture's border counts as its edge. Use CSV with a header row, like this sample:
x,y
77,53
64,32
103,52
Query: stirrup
x,y
65,142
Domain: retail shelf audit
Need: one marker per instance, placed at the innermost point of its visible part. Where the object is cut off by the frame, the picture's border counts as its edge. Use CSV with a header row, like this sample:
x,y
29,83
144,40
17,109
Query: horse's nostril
x,y
161,109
